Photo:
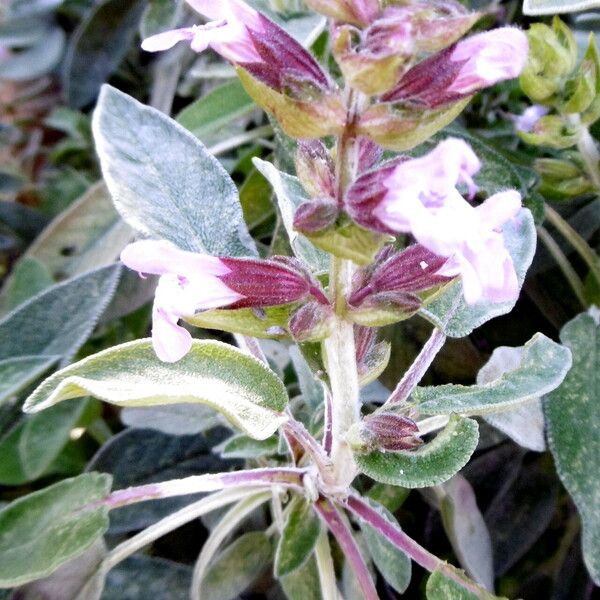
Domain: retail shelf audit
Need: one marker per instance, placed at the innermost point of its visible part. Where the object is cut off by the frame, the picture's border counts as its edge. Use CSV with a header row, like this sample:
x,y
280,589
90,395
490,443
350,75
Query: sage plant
x,y
386,222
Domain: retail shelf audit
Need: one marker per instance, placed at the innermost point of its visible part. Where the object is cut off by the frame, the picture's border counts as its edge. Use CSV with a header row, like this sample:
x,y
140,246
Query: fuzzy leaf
x,y
542,368
573,420
550,7
297,540
16,373
432,464
57,321
441,587
520,239
43,530
98,46
212,373
183,195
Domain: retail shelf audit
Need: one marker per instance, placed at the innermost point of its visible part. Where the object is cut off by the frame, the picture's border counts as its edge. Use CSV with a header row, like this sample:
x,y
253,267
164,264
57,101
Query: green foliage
x,y
549,7
44,529
212,373
573,417
442,587
183,195
432,464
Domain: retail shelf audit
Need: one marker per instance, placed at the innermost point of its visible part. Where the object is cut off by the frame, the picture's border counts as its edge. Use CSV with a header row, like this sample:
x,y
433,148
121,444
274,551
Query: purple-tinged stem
x,y
251,346
289,477
416,371
330,515
309,443
405,543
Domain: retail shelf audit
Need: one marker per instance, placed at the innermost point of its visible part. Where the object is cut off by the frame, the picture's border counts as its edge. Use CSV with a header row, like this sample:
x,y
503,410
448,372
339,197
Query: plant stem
x,y
170,523
227,524
417,370
330,515
583,248
564,264
412,549
325,567
589,152
284,477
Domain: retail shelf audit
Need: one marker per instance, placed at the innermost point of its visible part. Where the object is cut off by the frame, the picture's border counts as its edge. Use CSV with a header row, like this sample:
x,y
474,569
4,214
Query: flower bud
x,y
387,432
552,131
372,356
315,168
316,216
563,178
373,60
552,58
358,12
311,322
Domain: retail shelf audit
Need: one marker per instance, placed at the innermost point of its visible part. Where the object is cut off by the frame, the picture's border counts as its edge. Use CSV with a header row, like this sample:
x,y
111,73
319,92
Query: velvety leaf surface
x,y
298,539
143,577
242,446
520,239
441,587
16,373
392,563
237,567
467,530
98,46
311,388
302,583
41,531
57,321
28,278
212,373
183,195
573,421
551,7
432,464
290,195
542,368
141,456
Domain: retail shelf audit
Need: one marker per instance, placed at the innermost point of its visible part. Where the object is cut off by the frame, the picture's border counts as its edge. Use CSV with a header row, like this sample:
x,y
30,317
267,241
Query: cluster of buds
x,y
560,89
407,73
386,431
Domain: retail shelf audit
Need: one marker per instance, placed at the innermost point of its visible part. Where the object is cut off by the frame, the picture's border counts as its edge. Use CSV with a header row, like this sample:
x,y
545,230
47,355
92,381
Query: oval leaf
x,y
432,464
573,420
543,366
442,587
43,530
249,394
551,7
183,195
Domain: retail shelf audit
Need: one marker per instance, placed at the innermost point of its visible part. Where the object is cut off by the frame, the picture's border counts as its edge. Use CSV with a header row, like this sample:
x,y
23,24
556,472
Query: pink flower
x,y
464,68
247,38
192,282
422,199
526,122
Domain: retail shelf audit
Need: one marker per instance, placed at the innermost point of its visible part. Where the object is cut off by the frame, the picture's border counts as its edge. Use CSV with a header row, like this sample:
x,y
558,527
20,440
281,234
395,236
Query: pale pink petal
x,y
499,208
489,57
170,341
526,121
232,10
166,40
158,257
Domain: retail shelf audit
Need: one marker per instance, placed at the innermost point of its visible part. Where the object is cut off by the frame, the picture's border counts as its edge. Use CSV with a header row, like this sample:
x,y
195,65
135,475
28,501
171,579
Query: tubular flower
x,y
192,282
464,68
422,199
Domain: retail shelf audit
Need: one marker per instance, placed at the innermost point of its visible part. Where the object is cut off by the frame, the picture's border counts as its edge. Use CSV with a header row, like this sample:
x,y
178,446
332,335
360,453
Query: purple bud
x,y
390,432
316,215
311,322
315,168
369,154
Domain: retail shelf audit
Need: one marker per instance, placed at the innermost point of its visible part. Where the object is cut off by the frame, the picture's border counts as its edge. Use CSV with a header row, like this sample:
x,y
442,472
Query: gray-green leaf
x,y
249,394
551,7
164,182
298,539
542,368
573,421
43,530
441,587
432,464
520,239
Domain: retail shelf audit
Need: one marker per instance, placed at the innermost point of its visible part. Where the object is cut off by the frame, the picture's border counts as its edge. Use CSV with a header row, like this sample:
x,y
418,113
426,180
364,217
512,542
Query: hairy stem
x,y
325,567
412,549
581,246
564,264
417,370
284,477
330,515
